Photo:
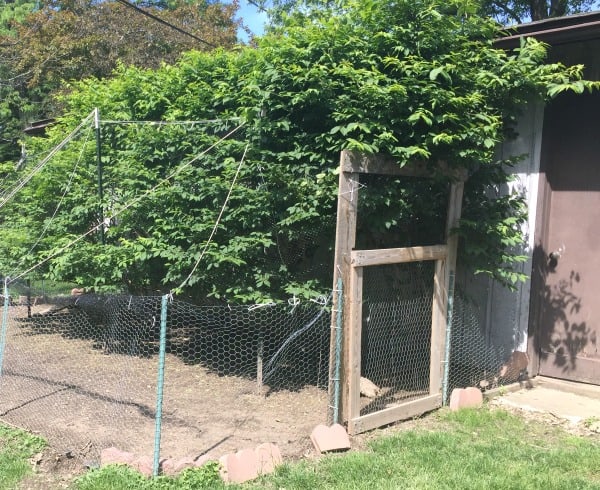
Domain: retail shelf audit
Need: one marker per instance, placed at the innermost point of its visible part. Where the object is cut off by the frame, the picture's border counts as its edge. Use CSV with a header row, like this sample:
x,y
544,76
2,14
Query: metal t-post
x,y
160,383
4,324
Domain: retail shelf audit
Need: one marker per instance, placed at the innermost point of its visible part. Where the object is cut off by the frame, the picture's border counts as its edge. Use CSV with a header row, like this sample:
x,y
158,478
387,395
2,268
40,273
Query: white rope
x,y
132,203
43,163
43,233
171,123
214,230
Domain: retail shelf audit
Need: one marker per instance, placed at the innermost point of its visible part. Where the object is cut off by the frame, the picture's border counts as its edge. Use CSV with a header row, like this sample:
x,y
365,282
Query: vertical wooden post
x,y
344,243
438,327
352,346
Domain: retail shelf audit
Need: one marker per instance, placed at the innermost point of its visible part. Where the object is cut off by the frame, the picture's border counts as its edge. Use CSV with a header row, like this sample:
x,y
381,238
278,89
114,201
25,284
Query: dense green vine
x,y
416,79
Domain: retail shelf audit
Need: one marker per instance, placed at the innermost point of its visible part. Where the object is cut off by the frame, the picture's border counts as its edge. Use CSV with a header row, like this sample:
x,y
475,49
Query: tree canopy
x,y
507,12
519,11
415,79
44,48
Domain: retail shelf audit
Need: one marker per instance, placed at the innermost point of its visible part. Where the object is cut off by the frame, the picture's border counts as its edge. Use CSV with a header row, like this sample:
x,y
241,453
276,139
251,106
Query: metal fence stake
x,y
160,383
4,324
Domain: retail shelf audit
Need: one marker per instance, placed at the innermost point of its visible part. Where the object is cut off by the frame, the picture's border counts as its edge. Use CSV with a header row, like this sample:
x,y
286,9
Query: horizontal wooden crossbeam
x,y
382,256
355,162
389,415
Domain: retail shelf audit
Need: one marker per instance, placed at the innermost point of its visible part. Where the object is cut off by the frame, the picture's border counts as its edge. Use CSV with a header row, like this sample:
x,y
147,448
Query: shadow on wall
x,y
557,334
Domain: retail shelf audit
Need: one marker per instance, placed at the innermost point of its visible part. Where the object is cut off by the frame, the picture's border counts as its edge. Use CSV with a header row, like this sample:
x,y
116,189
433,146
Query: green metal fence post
x,y
338,350
160,383
4,324
447,351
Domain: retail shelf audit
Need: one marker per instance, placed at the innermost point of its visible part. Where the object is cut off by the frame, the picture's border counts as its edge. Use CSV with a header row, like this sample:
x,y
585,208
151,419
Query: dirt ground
x,y
81,400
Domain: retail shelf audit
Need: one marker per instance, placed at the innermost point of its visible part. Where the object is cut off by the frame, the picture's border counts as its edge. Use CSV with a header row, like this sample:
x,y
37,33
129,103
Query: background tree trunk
x,y
538,9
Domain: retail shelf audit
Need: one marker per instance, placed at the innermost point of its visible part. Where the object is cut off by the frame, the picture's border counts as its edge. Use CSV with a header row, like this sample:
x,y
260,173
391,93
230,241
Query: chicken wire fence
x,y
396,332
83,371
396,338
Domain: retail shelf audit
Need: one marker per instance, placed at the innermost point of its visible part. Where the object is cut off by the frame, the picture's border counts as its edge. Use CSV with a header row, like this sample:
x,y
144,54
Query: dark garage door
x,y
568,254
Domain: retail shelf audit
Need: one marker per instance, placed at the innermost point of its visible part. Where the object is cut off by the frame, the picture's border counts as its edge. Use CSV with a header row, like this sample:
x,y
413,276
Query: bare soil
x,y
81,400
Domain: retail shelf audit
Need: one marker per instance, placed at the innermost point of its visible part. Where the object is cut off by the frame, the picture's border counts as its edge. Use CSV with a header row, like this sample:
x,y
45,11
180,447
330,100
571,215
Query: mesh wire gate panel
x,y
82,372
476,357
396,332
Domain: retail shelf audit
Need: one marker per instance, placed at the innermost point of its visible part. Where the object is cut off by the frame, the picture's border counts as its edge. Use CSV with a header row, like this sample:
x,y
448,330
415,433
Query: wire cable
x,y
67,188
43,163
130,204
214,230
164,22
171,123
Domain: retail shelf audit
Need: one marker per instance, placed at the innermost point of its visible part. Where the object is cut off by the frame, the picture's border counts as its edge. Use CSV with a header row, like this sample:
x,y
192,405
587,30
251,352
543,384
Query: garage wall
x,y
502,316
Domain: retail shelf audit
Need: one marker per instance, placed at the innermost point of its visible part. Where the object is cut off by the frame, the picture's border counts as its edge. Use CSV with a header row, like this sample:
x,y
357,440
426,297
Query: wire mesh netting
x,y
475,358
396,332
82,371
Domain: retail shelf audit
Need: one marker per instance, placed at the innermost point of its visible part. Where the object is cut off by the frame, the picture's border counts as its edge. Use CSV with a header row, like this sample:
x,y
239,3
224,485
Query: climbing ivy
x,y
418,80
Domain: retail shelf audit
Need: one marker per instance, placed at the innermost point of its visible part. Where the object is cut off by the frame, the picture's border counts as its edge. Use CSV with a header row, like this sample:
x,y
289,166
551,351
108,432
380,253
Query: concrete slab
x,y
574,402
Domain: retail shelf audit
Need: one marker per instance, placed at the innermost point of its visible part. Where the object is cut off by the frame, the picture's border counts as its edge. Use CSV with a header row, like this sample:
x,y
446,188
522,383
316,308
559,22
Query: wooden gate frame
x,y
349,264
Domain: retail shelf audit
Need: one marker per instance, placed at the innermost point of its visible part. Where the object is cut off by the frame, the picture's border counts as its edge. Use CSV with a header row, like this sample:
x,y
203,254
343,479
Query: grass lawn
x,y
470,449
16,448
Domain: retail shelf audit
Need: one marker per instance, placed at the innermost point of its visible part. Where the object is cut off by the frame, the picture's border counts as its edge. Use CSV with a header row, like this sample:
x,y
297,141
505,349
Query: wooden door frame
x,y
349,265
538,262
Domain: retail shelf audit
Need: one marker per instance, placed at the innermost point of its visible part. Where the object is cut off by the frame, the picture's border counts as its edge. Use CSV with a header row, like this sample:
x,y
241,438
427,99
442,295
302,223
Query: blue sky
x,y
251,17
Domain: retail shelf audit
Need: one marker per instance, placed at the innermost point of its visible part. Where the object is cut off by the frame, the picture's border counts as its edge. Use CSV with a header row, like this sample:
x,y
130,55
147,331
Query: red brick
x,y
455,399
172,467
239,467
334,438
112,455
144,464
202,460
269,457
465,398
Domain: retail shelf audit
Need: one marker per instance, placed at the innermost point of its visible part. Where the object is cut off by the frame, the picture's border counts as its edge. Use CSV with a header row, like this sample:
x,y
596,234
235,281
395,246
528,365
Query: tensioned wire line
x,y
61,145
171,123
214,230
131,203
43,163
67,188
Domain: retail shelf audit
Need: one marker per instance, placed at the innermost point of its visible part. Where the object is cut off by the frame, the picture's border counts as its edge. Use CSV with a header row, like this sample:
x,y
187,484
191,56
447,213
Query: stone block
x,y
173,467
465,398
334,438
202,460
368,388
112,455
269,457
144,464
248,464
239,467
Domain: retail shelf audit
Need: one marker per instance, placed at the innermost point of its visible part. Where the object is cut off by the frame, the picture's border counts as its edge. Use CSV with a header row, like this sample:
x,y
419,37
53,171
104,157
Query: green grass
x,y
16,448
116,477
470,449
